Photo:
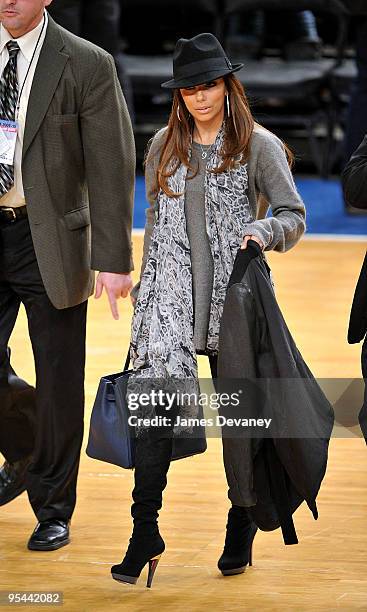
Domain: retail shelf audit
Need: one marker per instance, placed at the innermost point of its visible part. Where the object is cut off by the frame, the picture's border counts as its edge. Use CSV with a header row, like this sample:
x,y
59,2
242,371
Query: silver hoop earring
x,y
178,113
228,106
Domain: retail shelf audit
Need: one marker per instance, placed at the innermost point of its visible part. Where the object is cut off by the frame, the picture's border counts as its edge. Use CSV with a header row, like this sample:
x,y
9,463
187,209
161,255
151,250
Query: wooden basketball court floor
x,y
327,570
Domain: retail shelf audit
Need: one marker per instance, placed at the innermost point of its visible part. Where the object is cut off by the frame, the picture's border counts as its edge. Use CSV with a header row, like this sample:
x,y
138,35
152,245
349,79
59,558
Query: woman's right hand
x,y
254,238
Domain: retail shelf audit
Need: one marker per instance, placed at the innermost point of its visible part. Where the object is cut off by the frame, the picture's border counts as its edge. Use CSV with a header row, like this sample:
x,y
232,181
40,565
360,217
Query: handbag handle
x,y
127,360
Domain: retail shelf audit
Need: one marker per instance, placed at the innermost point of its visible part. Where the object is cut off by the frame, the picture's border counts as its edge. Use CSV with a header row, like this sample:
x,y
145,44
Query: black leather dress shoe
x,y
12,480
50,535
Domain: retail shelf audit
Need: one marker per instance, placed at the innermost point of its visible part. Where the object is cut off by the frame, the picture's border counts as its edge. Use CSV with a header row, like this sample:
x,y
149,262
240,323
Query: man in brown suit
x,y
66,197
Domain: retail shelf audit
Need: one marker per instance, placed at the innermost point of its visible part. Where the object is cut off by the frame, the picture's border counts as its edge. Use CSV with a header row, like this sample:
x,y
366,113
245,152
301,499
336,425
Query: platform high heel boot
x,y
240,534
152,460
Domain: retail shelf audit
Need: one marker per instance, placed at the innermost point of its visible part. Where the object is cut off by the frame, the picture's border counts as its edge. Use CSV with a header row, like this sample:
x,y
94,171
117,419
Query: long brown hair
x,y
238,131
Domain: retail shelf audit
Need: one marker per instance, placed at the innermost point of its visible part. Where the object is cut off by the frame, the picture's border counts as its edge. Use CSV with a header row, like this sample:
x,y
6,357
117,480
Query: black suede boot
x,y
152,460
240,534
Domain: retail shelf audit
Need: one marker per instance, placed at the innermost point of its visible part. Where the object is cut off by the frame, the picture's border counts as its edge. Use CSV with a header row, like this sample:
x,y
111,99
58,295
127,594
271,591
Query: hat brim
x,y
200,78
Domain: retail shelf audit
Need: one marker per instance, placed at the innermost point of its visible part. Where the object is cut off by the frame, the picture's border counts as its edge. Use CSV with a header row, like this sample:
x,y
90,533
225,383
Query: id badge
x,y
8,140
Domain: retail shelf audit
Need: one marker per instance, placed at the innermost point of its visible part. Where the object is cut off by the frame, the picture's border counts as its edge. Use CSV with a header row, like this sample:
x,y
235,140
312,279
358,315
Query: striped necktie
x,y
8,102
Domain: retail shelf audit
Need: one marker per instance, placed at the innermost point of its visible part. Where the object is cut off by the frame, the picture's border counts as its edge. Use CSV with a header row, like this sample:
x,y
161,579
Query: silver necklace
x,y
204,154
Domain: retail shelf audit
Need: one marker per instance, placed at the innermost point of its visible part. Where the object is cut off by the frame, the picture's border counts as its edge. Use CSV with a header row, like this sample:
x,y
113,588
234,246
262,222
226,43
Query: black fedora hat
x,y
198,60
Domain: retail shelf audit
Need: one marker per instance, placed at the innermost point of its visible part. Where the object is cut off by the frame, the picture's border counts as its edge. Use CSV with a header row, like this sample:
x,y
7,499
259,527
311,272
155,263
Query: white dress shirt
x,y
27,44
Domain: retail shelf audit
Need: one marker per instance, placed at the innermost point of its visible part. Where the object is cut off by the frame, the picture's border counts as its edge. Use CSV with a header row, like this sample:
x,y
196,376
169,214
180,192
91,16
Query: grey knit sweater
x,y
270,183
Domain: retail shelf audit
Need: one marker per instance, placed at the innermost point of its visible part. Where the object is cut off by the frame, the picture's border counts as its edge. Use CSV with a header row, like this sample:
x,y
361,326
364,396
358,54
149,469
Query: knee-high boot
x,y
152,460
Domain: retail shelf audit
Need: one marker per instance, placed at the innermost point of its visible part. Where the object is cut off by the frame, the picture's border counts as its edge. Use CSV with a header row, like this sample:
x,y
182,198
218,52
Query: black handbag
x,y
112,438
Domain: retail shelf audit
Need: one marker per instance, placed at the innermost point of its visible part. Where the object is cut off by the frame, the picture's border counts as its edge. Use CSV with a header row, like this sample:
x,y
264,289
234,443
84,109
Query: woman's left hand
x,y
254,238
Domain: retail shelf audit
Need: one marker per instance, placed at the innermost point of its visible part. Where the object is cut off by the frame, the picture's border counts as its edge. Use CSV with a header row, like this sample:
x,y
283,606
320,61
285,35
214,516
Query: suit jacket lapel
x,y
49,68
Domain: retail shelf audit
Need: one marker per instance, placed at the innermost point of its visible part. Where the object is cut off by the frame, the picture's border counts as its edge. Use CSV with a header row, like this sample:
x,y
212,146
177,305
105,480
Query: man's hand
x,y
254,238
116,286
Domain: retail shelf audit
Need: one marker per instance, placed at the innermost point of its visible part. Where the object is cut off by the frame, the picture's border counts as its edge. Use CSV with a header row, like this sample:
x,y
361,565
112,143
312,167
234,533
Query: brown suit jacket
x,y
78,167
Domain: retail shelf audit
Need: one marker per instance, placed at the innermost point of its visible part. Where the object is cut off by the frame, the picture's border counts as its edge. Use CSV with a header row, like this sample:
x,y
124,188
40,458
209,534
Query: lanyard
x,y
29,67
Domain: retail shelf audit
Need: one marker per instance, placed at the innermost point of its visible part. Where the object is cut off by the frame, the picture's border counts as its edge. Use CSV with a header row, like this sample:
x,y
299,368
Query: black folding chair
x,y
295,94
148,52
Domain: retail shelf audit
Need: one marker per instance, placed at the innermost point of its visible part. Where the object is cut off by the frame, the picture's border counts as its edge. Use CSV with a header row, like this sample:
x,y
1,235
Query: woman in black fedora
x,y
209,177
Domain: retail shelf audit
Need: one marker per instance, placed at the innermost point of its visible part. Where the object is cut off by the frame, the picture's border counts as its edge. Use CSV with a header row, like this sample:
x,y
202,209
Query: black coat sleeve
x,y
358,316
354,177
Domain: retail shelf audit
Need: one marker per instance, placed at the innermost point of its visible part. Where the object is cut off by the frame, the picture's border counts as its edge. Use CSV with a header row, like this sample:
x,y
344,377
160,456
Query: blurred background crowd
x,y
305,61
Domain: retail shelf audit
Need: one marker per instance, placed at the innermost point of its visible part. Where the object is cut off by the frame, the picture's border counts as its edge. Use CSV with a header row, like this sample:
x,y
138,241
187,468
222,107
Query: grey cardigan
x,y
270,184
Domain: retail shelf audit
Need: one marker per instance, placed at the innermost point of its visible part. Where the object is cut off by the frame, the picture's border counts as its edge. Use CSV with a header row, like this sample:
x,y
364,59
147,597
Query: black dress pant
x,y
55,432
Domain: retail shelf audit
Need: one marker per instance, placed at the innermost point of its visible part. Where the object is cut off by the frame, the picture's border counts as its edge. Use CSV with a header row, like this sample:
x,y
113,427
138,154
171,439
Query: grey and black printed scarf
x,y
162,345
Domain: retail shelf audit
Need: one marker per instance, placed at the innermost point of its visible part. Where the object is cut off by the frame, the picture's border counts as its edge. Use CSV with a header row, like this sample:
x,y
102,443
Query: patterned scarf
x,y
162,344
